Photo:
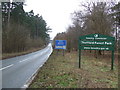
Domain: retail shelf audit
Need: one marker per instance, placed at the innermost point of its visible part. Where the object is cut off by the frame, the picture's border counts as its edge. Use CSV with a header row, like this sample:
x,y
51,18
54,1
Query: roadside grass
x,y
10,55
63,72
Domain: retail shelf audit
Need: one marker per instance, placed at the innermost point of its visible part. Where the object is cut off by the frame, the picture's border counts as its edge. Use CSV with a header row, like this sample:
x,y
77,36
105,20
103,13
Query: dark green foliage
x,y
22,30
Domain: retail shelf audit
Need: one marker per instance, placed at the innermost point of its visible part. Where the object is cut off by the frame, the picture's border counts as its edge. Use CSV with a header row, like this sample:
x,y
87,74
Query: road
x,y
17,71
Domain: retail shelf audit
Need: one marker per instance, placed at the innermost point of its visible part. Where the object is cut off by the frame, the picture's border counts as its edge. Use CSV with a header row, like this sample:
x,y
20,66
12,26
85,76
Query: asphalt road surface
x,y
17,71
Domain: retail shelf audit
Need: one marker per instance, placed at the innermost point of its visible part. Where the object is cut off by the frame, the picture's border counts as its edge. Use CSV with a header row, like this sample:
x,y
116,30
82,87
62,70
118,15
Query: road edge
x,y
29,81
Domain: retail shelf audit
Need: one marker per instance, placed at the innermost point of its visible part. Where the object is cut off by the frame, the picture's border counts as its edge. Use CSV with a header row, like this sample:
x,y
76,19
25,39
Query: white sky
x,y
56,13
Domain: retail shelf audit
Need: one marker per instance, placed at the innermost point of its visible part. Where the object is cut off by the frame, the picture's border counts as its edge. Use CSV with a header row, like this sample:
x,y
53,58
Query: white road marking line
x,y
25,86
7,67
41,65
24,60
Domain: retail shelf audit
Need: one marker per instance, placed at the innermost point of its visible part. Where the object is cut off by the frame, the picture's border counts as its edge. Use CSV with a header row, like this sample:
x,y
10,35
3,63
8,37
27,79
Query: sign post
x,y
79,58
79,54
112,61
97,42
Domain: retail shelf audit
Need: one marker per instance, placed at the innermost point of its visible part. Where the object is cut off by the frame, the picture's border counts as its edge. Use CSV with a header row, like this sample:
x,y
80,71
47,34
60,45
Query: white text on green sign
x,y
96,43
97,37
95,48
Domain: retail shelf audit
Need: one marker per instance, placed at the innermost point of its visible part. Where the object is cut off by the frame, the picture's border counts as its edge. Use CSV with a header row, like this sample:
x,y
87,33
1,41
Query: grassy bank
x,y
9,55
63,72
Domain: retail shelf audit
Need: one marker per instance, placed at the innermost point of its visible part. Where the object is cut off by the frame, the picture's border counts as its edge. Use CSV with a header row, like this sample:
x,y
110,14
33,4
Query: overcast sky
x,y
57,13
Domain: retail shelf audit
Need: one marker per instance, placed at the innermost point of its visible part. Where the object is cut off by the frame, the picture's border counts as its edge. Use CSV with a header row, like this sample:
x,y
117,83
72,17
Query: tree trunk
x,y
95,54
99,52
90,51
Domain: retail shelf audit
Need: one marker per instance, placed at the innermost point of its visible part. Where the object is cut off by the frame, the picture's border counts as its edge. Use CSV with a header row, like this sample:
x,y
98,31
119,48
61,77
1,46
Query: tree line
x,y
22,30
100,17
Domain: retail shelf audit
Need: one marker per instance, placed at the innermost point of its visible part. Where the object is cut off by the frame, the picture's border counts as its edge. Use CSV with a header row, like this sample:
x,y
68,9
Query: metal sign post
x,y
97,42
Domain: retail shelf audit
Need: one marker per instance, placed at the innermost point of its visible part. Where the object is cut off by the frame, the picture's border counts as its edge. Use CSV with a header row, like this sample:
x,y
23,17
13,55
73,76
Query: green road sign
x,y
97,42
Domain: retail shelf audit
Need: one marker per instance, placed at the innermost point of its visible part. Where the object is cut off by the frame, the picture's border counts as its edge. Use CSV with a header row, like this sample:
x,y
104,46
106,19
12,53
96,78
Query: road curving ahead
x,y
17,71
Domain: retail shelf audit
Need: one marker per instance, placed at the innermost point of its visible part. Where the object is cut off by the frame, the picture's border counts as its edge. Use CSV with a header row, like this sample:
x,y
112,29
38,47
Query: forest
x,y
22,30
98,17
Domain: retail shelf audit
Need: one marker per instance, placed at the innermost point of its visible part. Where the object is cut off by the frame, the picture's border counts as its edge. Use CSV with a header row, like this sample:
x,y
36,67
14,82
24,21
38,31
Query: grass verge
x,y
63,72
10,55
